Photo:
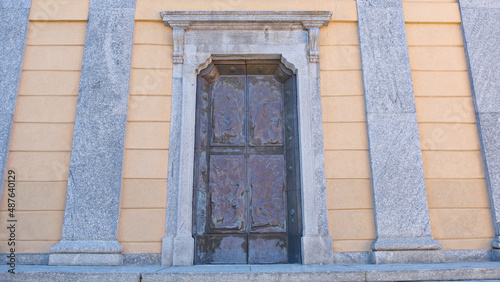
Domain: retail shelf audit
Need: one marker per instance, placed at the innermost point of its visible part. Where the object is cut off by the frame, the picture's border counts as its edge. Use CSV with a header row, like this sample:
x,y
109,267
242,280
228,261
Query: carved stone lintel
x,y
179,21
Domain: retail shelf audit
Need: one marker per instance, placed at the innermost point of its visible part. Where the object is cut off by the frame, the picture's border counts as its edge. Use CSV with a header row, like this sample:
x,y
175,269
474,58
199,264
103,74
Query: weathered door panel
x,y
228,111
267,190
265,111
268,248
227,193
221,249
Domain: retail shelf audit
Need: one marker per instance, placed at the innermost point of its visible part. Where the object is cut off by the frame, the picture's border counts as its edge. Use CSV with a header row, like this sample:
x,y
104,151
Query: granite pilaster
x,y
480,22
400,200
14,30
90,229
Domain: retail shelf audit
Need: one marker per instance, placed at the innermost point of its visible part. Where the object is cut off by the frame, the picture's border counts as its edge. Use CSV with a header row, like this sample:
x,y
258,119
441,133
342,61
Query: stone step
x,y
464,271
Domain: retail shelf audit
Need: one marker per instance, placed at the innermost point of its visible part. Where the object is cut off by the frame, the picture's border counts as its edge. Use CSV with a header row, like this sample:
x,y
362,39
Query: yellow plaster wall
x,y
454,174
42,134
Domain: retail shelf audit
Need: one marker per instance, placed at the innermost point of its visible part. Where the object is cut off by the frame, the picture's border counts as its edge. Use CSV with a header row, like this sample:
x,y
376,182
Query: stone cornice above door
x,y
182,21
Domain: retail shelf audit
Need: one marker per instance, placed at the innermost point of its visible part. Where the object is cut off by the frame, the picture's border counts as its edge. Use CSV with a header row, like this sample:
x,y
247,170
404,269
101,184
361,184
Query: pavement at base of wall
x,y
463,271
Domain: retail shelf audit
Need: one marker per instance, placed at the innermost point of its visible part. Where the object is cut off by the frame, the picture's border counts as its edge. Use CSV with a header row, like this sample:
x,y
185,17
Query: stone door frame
x,y
202,36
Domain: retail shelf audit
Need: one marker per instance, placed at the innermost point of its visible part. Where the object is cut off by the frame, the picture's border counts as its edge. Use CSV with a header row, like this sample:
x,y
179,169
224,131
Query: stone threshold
x,y
283,272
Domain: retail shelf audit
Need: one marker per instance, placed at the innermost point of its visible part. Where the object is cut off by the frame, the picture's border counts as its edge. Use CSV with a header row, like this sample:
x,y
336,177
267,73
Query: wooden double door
x,y
246,200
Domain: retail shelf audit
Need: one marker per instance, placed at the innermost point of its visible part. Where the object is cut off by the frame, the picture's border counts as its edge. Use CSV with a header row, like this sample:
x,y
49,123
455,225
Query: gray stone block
x,y
116,4
385,61
397,243
290,272
398,257
28,259
351,257
93,196
400,199
86,259
14,27
495,243
64,274
141,259
104,82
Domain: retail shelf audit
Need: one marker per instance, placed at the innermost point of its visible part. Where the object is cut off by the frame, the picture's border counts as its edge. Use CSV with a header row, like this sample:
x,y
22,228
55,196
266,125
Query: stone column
x,y
14,29
400,199
481,32
90,229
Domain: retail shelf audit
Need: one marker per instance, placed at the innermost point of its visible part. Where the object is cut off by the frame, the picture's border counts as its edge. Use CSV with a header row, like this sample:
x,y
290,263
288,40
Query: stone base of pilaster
x,y
317,249
391,257
177,250
86,259
89,253
403,244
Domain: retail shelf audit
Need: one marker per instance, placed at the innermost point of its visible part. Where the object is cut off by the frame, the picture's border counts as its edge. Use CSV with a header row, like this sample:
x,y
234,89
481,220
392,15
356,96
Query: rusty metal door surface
x,y
246,200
